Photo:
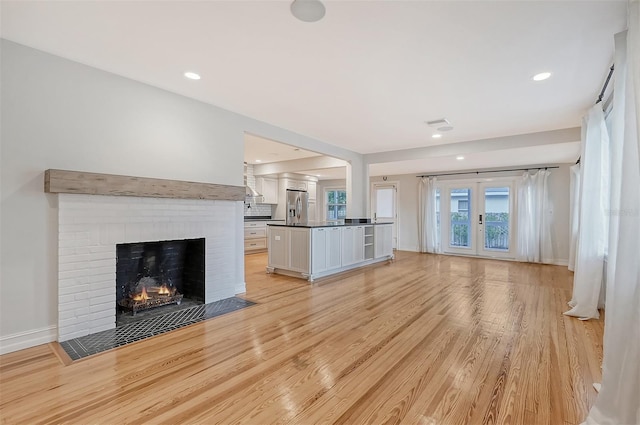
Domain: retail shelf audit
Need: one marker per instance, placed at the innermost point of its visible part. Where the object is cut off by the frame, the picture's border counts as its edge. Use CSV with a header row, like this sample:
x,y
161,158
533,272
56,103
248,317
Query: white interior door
x,y
477,219
384,206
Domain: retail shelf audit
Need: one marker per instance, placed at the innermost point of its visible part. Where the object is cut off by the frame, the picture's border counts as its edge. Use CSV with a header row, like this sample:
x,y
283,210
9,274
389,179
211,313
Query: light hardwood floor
x,y
425,339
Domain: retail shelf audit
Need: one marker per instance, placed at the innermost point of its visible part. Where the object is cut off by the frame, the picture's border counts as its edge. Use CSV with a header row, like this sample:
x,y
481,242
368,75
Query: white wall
x,y
408,207
60,114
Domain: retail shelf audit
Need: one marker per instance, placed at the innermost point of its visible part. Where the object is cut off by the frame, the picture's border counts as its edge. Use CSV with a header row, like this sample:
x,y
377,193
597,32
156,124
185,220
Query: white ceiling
x,y
366,77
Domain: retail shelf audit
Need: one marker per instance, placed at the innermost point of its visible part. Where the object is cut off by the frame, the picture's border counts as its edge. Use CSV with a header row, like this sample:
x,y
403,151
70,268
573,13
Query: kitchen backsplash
x,y
257,210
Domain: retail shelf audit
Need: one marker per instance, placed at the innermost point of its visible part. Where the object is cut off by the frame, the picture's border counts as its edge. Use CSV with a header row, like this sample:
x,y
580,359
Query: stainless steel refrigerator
x,y
297,206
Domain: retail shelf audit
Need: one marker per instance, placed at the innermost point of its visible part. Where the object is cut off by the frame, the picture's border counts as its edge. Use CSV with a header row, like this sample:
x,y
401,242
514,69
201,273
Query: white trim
x,y
28,339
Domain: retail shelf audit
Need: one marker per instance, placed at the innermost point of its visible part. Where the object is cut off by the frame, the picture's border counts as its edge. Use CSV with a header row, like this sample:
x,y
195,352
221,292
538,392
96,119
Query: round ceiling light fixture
x,y
307,10
436,136
192,75
542,76
459,157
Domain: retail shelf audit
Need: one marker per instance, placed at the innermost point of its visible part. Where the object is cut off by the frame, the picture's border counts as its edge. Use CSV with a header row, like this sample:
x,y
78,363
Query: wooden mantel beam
x,y
78,182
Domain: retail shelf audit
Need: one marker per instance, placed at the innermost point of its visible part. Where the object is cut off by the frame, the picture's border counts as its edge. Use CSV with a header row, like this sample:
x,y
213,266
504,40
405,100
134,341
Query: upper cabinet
x,y
311,188
268,187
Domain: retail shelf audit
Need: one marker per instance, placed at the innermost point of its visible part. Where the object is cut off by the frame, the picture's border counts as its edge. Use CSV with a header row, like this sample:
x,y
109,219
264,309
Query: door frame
x,y
372,202
477,186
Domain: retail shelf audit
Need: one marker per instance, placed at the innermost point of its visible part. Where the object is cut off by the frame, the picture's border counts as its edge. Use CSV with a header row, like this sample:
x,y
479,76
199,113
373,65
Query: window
x,y
463,205
336,201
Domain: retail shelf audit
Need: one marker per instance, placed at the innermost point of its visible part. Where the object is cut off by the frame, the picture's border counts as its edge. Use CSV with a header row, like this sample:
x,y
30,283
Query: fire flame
x,y
142,296
164,290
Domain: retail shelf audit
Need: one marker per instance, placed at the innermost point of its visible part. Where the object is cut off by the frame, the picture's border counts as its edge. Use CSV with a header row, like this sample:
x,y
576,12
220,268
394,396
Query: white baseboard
x,y
241,288
28,339
557,262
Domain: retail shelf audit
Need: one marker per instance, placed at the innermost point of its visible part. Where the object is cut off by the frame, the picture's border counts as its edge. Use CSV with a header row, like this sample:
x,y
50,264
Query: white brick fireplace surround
x,y
90,226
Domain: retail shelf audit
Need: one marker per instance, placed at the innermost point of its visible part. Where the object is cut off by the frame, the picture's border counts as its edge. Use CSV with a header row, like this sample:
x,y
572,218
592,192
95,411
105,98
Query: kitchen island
x,y
319,249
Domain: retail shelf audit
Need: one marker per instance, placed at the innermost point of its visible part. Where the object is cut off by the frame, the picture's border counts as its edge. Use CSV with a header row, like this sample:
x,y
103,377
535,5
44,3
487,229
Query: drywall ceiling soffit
x,y
294,166
561,153
266,151
545,138
336,173
364,78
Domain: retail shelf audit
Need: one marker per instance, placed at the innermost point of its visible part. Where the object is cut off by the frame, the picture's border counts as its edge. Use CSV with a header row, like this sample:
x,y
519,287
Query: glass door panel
x,y
461,228
496,219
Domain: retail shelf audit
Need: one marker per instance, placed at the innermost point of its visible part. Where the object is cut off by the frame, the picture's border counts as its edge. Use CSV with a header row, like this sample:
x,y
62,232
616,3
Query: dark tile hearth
x,y
78,348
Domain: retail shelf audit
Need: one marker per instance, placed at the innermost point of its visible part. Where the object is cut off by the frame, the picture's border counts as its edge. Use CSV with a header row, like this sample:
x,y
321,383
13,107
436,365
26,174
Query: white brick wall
x,y
90,226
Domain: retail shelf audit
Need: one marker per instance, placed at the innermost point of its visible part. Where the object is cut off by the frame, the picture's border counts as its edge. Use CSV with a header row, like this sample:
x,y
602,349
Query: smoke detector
x,y
442,124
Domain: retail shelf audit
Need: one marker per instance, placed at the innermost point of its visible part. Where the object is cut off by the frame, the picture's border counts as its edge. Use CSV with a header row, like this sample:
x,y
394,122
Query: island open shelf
x,y
322,249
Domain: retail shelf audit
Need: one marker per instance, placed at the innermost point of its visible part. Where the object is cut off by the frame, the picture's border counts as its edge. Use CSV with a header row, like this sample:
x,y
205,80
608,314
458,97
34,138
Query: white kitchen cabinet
x,y
311,212
313,252
334,248
255,236
352,245
295,184
311,189
268,187
326,249
383,241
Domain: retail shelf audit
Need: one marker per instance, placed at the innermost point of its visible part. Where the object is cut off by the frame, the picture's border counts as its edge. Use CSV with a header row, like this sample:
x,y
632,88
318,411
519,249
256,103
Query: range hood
x,y
252,195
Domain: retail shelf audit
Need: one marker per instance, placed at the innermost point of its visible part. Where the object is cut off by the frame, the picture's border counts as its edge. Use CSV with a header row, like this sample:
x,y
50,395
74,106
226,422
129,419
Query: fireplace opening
x,y
154,278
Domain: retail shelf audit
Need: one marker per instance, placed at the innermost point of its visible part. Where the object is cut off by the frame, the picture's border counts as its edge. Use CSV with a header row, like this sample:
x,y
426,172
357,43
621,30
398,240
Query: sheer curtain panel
x,y
574,214
428,234
619,399
534,234
593,229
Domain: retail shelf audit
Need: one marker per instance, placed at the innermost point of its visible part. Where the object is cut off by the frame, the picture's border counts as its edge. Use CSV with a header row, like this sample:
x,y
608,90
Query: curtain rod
x,y
483,172
601,95
606,83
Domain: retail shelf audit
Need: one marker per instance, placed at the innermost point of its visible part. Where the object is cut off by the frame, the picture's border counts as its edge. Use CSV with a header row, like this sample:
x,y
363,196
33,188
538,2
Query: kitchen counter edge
x,y
325,224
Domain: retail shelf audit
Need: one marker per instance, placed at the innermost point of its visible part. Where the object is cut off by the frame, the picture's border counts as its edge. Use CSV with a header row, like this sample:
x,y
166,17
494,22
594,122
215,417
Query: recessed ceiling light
x,y
436,136
459,157
541,76
192,75
258,160
307,10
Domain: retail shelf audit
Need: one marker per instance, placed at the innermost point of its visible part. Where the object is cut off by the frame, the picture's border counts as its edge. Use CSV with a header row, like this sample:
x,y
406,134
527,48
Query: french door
x,y
478,219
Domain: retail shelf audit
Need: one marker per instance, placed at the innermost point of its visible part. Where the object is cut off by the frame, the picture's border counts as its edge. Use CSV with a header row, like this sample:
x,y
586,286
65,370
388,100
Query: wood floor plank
x,y
423,339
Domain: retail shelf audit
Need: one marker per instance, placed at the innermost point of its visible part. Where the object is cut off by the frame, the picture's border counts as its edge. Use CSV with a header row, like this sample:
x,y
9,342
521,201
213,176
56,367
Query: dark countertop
x,y
315,224
261,218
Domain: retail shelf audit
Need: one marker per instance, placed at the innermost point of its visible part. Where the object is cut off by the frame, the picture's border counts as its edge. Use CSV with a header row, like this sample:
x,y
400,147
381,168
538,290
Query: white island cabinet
x,y
319,250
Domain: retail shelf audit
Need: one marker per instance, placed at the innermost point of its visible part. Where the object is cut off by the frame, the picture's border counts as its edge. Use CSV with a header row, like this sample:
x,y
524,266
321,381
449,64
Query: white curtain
x,y
619,399
428,234
593,232
574,214
534,223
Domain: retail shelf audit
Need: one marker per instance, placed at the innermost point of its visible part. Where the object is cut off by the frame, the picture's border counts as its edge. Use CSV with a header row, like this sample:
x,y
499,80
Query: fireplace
x,y
152,275
93,229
